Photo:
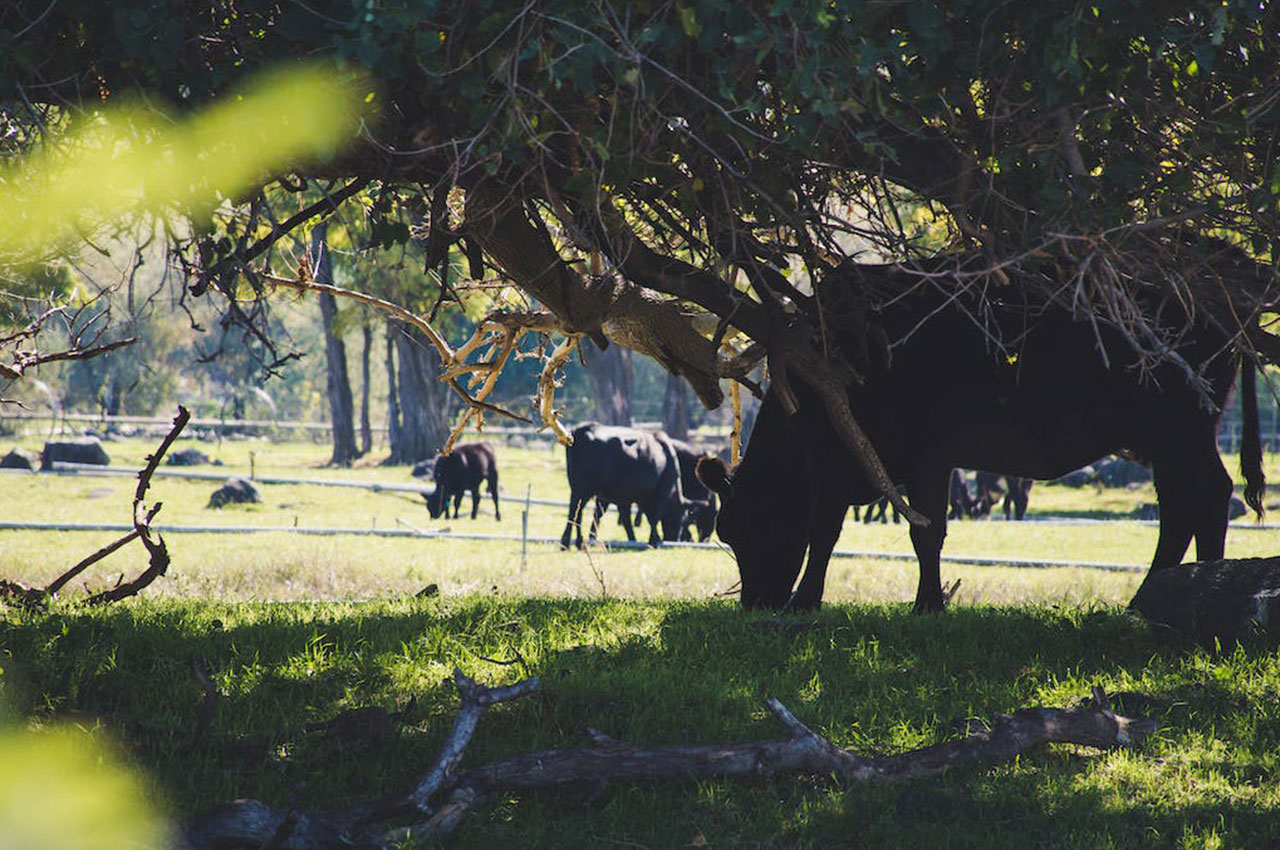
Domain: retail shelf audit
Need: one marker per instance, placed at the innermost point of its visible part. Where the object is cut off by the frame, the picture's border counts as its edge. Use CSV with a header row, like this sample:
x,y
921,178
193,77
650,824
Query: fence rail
x,y
612,545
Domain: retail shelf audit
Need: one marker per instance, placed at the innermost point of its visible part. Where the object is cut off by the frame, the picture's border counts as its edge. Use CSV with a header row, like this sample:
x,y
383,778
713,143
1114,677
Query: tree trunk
x,y
366,430
341,406
610,374
393,396
675,407
424,401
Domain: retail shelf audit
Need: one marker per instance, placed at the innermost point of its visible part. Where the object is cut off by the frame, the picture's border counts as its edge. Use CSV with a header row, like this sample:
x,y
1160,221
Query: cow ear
x,y
712,472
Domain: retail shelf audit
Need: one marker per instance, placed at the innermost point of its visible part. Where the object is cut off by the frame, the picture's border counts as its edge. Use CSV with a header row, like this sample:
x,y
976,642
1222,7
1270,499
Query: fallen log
x,y
1214,602
440,800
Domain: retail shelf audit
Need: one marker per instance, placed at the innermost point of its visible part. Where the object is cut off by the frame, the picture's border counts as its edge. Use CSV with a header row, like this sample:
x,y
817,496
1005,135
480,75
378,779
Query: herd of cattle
x,y
656,473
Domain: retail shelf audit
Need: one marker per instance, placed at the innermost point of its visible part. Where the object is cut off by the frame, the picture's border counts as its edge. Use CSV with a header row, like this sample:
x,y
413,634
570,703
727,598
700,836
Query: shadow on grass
x,y
873,678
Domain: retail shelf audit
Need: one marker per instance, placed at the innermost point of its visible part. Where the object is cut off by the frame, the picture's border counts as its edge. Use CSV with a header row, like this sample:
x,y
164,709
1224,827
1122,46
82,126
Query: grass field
x,y
639,645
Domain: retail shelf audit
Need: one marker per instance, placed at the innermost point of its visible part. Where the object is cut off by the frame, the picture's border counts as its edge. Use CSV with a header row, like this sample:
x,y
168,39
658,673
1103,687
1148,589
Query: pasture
x,y
643,645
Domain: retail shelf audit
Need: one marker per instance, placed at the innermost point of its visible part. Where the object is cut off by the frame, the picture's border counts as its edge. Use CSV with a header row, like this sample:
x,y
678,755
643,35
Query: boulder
x,y
19,459
1119,472
82,450
1214,602
1079,478
187,457
236,490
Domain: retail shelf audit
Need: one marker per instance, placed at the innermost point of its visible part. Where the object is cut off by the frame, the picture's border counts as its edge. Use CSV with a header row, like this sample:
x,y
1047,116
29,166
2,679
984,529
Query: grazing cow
x,y
991,486
1059,394
459,471
624,466
700,502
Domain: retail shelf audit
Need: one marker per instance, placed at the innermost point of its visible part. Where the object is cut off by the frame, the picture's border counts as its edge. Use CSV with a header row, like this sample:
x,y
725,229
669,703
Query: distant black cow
x,y
991,487
461,470
1058,395
624,466
700,505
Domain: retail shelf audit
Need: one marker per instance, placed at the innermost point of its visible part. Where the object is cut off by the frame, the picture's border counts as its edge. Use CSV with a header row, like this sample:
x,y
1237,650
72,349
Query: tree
x,y
610,374
338,383
730,163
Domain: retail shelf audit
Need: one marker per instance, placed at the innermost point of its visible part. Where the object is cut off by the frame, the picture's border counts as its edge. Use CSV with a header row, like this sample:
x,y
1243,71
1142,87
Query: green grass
x,y
871,677
292,567
638,645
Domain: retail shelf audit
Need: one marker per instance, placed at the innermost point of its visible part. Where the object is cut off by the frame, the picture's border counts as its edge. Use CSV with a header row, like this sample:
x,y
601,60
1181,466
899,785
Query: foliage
x,y
1103,154
64,789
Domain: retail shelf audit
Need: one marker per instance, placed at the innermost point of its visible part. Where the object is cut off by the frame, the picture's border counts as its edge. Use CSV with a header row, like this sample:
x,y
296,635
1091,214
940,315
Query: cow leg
x,y
493,491
655,518
825,521
576,502
624,516
475,500
929,497
1194,493
601,507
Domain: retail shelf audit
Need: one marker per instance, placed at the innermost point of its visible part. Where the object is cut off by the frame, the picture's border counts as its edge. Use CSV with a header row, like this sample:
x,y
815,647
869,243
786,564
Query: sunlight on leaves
x,y
133,158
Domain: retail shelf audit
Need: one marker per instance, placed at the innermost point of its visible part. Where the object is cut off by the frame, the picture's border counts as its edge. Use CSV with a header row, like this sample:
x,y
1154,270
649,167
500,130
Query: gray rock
x,y
19,459
236,490
82,450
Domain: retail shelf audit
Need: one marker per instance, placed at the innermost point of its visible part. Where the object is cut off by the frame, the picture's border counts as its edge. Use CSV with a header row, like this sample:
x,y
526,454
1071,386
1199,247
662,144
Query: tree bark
x,y
341,405
610,374
675,408
424,401
366,430
393,396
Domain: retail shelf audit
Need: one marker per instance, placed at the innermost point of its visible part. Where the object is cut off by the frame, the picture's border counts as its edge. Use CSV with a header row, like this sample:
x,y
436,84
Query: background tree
x,y
728,162
338,383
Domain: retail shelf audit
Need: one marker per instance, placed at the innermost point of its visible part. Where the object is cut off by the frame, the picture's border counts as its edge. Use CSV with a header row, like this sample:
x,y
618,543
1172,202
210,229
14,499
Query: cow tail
x,y
1251,437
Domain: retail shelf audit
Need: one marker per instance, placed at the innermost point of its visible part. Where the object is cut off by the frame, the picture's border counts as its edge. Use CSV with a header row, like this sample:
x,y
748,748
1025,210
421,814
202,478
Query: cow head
x,y
436,499
768,546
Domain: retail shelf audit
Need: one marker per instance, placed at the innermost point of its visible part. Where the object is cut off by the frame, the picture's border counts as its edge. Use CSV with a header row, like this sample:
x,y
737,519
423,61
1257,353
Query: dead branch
x,y
17,593
24,360
445,796
547,389
452,361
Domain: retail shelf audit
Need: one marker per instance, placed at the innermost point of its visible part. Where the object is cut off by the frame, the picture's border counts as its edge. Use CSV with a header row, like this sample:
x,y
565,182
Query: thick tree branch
x,y
445,796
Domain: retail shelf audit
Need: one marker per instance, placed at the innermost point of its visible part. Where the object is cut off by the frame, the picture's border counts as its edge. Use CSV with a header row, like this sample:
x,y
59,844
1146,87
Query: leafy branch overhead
x,y
732,165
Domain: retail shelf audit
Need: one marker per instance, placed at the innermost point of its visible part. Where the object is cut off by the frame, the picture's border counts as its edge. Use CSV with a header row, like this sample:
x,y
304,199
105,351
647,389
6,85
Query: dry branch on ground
x,y
17,593
442,797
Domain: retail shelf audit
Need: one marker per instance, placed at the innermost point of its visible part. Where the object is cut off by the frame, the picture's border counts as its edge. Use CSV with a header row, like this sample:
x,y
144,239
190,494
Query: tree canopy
x,y
669,175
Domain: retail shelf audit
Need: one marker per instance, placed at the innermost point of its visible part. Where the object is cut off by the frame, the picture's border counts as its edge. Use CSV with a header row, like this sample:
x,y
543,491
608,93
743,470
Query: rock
x,y
187,457
1237,508
82,450
1215,602
424,468
19,459
236,490
1119,472
1079,478
1147,511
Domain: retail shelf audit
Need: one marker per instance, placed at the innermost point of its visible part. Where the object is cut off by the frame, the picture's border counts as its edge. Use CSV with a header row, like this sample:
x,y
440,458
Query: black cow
x,y
1044,404
624,466
459,471
700,502
991,486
